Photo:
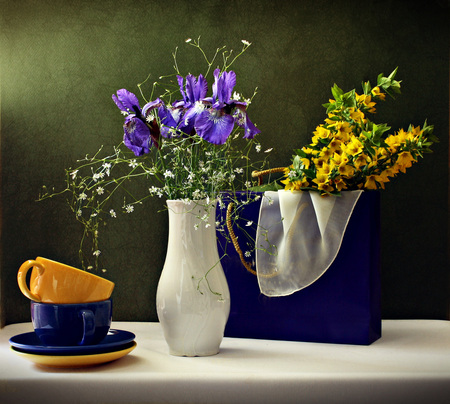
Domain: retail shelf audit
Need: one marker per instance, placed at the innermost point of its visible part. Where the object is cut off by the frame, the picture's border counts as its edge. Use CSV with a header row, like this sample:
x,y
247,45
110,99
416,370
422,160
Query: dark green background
x,y
62,60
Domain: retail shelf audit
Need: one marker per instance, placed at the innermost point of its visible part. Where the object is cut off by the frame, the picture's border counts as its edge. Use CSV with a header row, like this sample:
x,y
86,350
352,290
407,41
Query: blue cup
x,y
71,324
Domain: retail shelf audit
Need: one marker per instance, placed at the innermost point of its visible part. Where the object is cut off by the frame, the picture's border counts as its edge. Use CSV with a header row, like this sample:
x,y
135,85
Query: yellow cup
x,y
53,282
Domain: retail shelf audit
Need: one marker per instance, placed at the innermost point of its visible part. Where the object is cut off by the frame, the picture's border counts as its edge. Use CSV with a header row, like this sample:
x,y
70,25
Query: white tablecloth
x,y
409,364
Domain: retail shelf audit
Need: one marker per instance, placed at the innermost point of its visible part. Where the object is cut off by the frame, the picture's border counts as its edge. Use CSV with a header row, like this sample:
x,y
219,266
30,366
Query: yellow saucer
x,y
75,361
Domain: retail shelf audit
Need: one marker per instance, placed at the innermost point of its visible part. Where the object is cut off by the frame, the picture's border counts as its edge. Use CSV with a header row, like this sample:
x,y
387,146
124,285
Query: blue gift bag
x,y
342,306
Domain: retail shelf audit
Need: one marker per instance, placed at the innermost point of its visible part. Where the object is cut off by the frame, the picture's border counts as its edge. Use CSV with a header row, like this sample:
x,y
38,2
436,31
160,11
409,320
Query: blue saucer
x,y
30,343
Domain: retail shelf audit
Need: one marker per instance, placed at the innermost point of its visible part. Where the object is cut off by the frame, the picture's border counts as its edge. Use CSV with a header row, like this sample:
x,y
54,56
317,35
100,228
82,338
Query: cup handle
x,y
88,326
22,278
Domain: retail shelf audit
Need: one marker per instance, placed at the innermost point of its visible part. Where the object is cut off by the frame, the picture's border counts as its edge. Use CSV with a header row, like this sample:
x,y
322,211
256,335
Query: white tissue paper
x,y
298,237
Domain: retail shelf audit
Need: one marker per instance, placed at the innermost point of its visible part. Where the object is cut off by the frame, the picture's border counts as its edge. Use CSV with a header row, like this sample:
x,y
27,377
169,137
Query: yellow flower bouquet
x,y
350,152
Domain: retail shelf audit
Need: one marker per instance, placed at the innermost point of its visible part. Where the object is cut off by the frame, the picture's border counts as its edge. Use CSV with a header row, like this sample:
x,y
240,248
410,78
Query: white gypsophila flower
x,y
98,176
112,213
73,174
100,191
245,42
239,170
82,196
268,150
188,40
248,254
196,225
96,253
247,184
236,96
258,148
249,223
207,225
129,208
79,213
257,197
169,174
133,163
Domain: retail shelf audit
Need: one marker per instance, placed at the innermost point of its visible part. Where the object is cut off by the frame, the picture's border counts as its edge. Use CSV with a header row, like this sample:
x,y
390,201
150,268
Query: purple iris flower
x,y
193,93
216,123
139,134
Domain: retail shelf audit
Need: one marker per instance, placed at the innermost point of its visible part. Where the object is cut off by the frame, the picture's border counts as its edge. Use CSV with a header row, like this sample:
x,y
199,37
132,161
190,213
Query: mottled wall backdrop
x,y
62,60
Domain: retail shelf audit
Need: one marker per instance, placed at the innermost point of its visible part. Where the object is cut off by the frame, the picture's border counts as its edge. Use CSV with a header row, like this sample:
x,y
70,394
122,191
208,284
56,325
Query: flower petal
x,y
136,136
214,126
126,101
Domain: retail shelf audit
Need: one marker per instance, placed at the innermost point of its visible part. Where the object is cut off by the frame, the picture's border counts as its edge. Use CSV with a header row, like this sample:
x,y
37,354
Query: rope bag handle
x,y
229,224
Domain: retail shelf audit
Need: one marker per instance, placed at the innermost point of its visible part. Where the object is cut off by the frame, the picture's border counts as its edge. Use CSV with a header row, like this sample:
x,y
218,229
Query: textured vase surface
x,y
192,300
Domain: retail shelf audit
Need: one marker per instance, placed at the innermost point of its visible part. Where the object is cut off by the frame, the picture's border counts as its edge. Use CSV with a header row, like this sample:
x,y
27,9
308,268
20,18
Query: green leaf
x,y
337,92
300,153
273,186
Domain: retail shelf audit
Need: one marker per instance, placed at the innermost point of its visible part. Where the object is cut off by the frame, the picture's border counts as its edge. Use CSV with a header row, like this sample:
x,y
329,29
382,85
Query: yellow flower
x,y
294,185
325,153
371,182
360,161
357,115
335,146
339,184
377,93
340,158
346,170
366,100
405,160
322,132
325,169
306,162
323,182
354,147
343,130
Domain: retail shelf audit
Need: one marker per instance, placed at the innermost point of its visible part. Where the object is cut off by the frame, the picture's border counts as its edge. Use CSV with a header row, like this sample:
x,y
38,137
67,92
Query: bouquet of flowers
x,y
186,143
350,152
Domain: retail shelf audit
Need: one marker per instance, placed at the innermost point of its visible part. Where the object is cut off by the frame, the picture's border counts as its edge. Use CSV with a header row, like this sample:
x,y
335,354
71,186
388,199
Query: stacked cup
x,y
68,306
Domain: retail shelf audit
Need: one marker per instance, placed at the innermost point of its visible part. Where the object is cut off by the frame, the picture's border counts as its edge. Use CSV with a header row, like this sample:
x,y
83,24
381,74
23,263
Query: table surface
x,y
410,363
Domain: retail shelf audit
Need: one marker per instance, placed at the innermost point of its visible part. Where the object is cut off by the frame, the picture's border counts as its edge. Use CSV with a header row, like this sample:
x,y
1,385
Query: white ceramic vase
x,y
193,299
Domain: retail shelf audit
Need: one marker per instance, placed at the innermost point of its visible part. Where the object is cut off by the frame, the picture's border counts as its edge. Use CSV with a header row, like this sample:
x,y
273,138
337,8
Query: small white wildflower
x,y
196,226
103,270
268,150
90,267
245,42
98,176
248,184
133,163
249,223
239,170
236,96
188,40
82,196
257,197
247,254
258,148
112,213
74,174
169,174
96,253
100,191
207,225
79,212
129,208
